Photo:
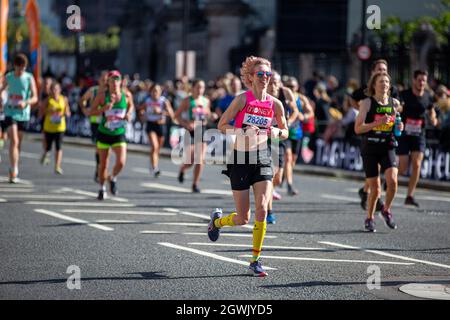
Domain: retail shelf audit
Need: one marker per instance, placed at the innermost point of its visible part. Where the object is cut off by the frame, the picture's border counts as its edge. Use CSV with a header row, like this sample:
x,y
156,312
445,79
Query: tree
x,y
394,28
18,33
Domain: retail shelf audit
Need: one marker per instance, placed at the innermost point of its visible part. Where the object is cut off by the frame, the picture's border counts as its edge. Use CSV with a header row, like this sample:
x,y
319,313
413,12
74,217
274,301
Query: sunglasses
x,y
116,78
261,74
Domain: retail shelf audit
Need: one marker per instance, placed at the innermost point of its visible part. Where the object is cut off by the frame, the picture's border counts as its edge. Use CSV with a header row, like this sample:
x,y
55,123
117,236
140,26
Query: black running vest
x,y
384,132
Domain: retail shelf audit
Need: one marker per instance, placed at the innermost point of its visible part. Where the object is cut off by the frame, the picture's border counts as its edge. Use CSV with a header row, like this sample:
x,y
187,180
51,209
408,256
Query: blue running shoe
x,y
213,231
256,269
271,219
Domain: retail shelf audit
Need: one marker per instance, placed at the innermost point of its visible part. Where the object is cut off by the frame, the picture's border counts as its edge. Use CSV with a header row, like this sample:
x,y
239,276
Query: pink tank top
x,y
257,113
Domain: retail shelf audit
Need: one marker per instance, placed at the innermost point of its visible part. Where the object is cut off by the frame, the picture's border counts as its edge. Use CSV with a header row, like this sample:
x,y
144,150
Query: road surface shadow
x,y
337,283
135,276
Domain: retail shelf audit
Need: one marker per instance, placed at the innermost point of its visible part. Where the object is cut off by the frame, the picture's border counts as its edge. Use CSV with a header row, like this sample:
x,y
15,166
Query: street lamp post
x,y
185,34
79,46
363,38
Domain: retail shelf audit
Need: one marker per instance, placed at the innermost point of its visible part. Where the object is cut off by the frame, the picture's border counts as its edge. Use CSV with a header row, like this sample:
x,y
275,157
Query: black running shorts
x,y
8,122
407,144
384,157
249,168
155,127
56,137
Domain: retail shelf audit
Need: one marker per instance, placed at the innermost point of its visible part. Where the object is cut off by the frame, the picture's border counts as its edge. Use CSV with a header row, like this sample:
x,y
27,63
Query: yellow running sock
x,y
225,221
259,231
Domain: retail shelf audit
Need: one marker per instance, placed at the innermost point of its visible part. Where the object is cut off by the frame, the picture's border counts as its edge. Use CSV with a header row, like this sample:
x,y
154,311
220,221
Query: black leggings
x,y
50,137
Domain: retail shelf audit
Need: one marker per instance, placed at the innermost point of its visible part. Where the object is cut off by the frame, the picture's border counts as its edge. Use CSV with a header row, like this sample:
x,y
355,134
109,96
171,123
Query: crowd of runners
x,y
264,117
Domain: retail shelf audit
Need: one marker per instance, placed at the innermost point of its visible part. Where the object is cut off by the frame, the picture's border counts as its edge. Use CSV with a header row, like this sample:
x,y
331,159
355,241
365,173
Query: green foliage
x,y
393,27
18,32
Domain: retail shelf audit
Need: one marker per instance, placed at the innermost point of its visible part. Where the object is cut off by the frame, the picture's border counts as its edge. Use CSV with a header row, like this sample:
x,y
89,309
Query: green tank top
x,y
197,112
19,89
113,122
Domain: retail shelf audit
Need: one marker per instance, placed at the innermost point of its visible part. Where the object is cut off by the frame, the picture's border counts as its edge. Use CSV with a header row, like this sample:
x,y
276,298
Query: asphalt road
x,y
150,242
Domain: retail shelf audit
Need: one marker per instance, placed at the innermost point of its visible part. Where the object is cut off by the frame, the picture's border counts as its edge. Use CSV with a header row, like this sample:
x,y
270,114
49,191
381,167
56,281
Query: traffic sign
x,y
364,52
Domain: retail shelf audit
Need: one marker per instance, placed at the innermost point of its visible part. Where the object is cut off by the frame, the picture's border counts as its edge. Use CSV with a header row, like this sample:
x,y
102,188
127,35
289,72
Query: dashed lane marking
x,y
43,196
208,254
328,260
185,190
198,215
67,218
250,246
81,204
91,194
121,212
381,253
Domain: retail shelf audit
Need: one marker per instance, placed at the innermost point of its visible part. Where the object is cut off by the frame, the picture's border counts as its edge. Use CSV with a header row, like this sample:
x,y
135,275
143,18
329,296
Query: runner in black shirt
x,y
417,104
375,122
358,96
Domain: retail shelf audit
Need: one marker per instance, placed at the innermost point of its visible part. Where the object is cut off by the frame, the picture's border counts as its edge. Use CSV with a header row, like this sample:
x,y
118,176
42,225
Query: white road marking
x,y
328,260
157,232
187,224
81,204
184,190
199,215
80,162
434,192
43,196
341,198
250,246
432,198
163,173
15,190
352,190
217,191
2,200
207,254
224,234
67,218
381,253
165,187
417,197
138,213
29,155
351,199
203,234
115,221
21,183
92,194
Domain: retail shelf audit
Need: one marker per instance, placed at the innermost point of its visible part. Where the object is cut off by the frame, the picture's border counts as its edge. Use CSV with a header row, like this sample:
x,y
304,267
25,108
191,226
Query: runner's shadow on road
x,y
146,276
429,250
337,283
